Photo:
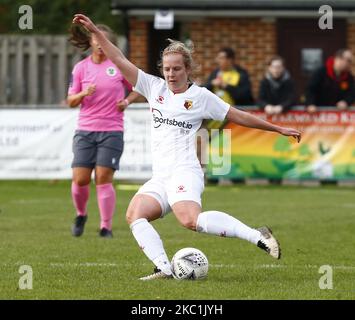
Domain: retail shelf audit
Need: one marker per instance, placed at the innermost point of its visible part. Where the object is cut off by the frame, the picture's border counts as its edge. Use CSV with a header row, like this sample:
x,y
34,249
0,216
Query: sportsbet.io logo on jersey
x,y
159,119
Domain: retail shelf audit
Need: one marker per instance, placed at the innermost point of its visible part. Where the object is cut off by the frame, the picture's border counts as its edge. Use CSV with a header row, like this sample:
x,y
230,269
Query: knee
x,y
82,181
189,223
142,207
103,179
131,216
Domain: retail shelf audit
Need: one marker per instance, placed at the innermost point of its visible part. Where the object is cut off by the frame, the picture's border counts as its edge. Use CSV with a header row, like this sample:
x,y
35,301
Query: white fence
x,y
36,69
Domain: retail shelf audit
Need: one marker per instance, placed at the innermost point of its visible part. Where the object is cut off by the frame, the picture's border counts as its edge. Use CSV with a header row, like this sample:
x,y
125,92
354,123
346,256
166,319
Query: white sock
x,y
224,225
149,241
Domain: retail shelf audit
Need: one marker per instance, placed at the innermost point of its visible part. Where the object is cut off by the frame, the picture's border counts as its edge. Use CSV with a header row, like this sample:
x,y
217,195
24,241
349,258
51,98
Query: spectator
x,y
332,84
229,81
277,91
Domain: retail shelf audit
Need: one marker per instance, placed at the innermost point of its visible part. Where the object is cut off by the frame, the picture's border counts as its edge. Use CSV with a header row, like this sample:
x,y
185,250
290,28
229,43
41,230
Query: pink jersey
x,y
99,111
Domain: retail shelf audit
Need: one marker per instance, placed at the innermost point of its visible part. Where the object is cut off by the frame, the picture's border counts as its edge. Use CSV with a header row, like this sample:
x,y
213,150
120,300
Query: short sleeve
x,y
145,83
214,107
75,81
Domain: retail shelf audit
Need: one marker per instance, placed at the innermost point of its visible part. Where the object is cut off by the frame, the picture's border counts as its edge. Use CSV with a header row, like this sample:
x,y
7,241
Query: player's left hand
x,y
290,132
122,105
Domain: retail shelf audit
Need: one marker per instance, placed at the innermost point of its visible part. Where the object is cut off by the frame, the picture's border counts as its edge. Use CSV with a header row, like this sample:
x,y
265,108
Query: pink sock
x,y
106,198
80,195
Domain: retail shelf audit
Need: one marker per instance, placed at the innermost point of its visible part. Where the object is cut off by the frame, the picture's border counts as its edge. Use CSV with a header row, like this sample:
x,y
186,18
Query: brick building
x,y
256,29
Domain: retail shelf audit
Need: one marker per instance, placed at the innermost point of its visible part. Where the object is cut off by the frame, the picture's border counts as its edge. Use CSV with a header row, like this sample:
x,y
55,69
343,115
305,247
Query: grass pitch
x,y
315,227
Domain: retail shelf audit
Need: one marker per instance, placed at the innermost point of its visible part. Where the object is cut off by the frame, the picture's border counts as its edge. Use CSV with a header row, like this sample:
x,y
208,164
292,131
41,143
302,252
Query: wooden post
x,y
19,70
62,68
47,81
4,69
33,70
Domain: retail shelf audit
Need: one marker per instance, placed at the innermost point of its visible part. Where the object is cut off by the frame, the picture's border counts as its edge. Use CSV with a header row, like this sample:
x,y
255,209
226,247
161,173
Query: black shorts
x,y
93,149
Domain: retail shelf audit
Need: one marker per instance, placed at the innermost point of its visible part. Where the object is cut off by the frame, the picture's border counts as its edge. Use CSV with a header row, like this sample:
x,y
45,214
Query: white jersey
x,y
175,120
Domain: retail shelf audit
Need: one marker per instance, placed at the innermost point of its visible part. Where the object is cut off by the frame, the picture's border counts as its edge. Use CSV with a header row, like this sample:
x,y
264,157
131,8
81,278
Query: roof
x,y
232,4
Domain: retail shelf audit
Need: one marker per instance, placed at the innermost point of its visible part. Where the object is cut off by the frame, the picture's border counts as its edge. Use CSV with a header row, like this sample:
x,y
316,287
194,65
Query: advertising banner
x,y
326,152
37,143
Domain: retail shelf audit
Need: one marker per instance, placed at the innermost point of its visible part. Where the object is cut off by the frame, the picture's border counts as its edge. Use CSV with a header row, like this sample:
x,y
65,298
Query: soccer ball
x,y
189,263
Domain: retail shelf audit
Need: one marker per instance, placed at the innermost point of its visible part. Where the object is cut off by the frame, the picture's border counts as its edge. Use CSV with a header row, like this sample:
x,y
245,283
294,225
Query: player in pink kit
x,y
178,107
100,88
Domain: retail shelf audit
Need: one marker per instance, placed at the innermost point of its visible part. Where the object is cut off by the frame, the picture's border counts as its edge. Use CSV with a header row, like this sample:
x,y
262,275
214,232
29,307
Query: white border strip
x,y
179,13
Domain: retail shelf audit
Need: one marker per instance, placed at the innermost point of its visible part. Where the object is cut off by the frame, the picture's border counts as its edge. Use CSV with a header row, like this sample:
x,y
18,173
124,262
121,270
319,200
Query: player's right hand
x,y
90,90
86,22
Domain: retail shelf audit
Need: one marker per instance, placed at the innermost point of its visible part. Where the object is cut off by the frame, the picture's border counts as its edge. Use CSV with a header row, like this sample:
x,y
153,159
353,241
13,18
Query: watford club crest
x,y
188,104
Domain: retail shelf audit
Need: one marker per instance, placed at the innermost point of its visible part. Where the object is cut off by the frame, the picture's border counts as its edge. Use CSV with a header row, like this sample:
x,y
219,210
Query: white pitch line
x,y
282,266
84,264
128,187
262,266
227,266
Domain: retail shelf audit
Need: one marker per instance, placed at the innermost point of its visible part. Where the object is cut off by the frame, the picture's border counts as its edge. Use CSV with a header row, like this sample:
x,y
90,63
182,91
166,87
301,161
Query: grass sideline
x,y
315,227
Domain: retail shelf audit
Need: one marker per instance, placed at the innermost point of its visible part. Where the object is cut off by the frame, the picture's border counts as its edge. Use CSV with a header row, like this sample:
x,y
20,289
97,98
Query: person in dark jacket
x,y
277,91
332,84
229,81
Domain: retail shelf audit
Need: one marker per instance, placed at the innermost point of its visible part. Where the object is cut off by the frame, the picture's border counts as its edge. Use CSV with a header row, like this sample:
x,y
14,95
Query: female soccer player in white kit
x,y
178,108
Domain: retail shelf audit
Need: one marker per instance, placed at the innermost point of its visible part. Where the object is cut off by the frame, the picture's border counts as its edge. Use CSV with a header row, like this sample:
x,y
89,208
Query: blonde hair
x,y
179,47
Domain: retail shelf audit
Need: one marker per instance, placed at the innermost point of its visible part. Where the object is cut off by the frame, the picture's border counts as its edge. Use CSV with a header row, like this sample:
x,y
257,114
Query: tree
x,y
55,16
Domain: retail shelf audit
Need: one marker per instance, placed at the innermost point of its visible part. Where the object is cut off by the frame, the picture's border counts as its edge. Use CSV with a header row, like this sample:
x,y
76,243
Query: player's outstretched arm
x,y
248,120
128,69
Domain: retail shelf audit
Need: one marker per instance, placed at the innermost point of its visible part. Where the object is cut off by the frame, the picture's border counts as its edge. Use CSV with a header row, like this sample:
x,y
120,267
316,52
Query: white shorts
x,y
180,186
